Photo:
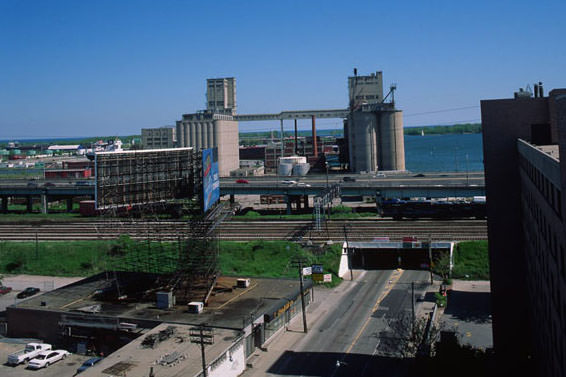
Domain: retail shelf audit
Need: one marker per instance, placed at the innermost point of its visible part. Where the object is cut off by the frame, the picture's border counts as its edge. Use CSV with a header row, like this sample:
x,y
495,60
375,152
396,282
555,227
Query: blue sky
x,y
87,68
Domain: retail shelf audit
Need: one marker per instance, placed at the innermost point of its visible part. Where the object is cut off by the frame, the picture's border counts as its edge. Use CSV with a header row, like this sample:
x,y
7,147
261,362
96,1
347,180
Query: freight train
x,y
436,209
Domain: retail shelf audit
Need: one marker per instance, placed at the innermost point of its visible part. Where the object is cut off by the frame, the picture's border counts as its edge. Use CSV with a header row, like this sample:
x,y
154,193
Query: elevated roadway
x,y
396,185
399,185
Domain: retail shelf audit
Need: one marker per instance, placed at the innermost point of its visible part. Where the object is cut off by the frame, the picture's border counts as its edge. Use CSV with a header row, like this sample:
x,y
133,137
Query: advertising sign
x,y
307,271
210,178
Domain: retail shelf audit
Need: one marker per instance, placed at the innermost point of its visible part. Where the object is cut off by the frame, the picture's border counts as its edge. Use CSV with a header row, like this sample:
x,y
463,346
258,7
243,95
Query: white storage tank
x,y
301,169
285,169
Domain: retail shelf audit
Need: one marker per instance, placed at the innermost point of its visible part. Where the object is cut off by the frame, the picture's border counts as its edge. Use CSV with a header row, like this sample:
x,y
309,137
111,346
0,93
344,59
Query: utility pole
x,y
413,303
299,262
348,251
202,335
430,258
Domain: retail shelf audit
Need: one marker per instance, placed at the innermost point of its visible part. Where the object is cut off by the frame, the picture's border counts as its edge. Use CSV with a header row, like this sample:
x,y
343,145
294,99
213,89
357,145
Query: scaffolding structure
x,y
131,178
150,181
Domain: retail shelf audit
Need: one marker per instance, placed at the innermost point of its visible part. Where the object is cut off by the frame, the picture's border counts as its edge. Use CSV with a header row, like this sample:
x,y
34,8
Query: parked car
x,y
46,358
4,289
288,182
28,353
48,184
29,291
87,364
303,184
241,180
32,184
380,175
349,179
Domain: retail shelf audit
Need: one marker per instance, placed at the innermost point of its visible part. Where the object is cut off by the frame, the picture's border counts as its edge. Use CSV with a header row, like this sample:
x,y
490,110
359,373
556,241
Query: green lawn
x,y
471,261
82,258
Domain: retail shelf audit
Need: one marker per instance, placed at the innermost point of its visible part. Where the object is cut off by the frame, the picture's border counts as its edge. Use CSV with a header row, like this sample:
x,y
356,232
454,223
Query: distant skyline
x,y
89,68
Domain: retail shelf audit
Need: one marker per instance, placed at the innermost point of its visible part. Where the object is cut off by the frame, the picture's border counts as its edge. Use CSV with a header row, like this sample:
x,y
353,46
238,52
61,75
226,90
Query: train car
x,y
435,209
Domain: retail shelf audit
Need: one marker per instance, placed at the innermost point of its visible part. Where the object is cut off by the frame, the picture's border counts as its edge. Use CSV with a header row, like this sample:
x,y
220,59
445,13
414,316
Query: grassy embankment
x,y
471,261
82,258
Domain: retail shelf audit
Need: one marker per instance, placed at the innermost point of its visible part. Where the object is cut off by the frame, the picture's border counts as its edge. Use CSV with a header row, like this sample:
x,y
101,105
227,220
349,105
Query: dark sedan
x,y
87,364
30,291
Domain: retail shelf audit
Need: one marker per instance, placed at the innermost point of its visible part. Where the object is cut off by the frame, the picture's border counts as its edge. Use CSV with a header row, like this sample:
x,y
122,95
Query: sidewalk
x,y
290,338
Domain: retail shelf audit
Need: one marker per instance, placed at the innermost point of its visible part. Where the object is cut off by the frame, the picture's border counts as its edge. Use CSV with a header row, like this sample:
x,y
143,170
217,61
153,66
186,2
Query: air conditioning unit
x,y
243,283
195,307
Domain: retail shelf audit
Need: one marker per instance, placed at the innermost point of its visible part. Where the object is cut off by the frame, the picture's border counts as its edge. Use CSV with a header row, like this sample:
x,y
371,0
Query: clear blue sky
x,y
87,68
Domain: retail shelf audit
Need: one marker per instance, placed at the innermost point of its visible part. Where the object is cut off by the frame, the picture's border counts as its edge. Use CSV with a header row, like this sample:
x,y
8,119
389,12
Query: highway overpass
x,y
391,185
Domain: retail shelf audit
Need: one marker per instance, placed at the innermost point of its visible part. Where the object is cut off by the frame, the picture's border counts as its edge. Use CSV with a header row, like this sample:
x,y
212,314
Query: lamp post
x,y
326,165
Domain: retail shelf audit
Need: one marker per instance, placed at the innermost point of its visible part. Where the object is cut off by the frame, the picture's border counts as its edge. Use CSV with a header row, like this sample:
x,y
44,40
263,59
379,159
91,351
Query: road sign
x,y
318,277
317,269
328,278
307,271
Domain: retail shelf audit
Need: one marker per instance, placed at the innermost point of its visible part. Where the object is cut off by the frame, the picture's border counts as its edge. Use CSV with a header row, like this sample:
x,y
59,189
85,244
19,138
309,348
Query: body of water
x,y
452,152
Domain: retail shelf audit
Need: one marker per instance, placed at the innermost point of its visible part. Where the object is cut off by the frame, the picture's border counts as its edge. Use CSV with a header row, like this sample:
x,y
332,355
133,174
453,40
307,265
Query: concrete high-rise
x,y
525,178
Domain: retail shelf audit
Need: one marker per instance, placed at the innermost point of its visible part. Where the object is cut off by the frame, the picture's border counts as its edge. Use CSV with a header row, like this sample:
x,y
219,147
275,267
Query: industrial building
x,y
524,138
221,95
208,129
374,128
159,138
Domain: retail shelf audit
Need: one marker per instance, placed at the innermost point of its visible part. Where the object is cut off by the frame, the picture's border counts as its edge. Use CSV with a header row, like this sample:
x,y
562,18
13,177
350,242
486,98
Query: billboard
x,y
141,177
210,178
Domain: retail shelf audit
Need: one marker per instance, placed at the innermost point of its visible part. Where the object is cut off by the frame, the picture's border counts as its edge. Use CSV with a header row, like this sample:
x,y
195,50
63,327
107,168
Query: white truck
x,y
28,353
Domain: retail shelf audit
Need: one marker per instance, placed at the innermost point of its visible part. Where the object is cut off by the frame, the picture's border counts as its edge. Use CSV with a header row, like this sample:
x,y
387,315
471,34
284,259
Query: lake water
x,y
444,153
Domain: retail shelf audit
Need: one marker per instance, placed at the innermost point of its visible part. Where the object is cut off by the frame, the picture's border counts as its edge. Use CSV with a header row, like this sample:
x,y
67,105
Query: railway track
x,y
358,230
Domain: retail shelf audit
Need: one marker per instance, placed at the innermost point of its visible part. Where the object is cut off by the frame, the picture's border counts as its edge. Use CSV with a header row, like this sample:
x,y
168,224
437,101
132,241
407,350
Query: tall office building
x,y
525,178
221,95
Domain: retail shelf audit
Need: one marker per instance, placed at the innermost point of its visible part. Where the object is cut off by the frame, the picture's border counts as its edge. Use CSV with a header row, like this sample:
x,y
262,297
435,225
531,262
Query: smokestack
x,y
314,146
355,71
296,146
536,90
541,92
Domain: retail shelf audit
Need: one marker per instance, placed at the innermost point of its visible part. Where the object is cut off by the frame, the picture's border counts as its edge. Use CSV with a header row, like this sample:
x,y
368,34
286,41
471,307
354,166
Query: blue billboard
x,y
210,178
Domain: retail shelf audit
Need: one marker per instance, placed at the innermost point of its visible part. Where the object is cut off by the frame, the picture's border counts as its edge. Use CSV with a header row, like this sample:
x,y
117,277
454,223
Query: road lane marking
x,y
394,279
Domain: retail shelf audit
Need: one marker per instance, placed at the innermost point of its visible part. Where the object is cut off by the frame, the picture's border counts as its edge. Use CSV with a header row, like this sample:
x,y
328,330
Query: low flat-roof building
x,y
88,315
167,351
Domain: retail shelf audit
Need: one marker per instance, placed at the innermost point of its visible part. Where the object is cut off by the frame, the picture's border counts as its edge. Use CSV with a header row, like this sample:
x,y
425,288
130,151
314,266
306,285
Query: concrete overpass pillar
x,y
4,208
306,199
69,204
29,203
288,200
44,203
232,199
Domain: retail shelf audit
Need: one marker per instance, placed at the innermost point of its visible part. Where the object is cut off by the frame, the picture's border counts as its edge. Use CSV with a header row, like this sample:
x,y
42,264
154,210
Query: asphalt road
x,y
354,338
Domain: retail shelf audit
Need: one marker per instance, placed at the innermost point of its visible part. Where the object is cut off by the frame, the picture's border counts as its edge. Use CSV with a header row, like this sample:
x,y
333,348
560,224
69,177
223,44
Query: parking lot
x,y
63,368
20,282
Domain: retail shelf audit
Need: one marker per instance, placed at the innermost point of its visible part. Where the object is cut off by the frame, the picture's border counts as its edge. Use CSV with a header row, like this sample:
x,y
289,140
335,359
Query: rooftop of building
x,y
551,150
173,355
228,306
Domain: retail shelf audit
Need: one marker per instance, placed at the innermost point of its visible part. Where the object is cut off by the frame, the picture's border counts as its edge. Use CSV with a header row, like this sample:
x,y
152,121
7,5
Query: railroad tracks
x,y
300,231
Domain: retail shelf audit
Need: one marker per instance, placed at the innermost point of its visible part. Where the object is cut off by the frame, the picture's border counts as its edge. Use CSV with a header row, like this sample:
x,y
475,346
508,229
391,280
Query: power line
x,y
442,111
